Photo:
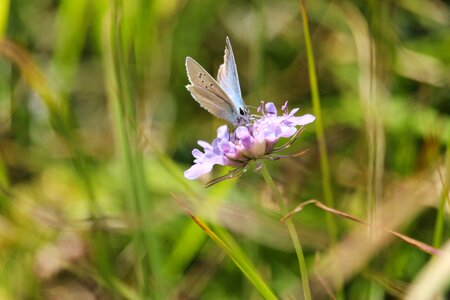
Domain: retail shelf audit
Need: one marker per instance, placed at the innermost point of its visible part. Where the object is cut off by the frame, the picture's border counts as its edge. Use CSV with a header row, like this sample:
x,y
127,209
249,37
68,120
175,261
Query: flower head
x,y
256,140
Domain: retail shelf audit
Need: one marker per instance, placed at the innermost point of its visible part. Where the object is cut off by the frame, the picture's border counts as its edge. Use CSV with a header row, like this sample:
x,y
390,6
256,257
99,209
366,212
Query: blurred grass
x,y
96,129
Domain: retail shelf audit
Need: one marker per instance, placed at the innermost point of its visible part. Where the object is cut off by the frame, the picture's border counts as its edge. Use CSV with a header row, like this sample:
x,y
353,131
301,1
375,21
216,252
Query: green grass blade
x,y
138,196
439,224
73,21
324,165
239,259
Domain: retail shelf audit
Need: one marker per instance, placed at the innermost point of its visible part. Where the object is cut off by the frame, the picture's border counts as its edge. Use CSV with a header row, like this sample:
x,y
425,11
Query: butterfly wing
x,y
228,79
212,103
208,93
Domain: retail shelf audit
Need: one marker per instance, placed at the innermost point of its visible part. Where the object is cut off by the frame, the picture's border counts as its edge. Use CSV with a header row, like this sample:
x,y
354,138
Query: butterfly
x,y
221,97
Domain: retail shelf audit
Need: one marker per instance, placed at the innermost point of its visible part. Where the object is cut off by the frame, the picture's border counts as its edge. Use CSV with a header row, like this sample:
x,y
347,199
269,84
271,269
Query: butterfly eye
x,y
241,111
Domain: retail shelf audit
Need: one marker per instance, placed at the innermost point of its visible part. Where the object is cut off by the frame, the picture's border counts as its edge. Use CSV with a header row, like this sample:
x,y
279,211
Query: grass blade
x,y
238,257
324,165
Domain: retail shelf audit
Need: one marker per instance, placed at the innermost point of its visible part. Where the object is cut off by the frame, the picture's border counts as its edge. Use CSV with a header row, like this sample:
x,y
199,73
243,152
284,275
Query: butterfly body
x,y
221,97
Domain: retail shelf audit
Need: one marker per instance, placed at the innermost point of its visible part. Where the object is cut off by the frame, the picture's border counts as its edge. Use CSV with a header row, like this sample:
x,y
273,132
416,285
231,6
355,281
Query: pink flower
x,y
255,140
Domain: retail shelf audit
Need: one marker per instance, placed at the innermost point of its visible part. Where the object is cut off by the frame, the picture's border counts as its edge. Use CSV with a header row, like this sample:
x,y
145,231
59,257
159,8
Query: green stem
x,y
292,231
439,224
324,166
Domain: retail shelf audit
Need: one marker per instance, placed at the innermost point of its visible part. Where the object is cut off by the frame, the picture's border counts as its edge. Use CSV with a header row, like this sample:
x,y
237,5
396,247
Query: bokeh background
x,y
97,128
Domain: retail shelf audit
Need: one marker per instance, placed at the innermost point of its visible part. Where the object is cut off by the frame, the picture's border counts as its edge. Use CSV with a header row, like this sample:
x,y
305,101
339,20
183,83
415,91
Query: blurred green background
x,y
97,128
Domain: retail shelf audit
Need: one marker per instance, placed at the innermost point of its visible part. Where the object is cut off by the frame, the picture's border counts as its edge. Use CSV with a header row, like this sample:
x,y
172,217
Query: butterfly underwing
x,y
221,97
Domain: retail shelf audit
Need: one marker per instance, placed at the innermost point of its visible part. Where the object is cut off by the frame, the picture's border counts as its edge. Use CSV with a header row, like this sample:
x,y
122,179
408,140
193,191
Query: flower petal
x,y
286,131
205,145
303,120
197,170
271,109
291,114
197,154
242,133
222,132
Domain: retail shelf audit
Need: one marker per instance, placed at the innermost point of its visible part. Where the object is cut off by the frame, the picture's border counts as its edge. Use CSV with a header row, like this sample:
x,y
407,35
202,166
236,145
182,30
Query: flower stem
x,y
292,231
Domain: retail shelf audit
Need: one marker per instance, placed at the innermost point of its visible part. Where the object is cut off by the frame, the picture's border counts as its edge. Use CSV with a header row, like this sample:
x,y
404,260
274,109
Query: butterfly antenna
x,y
252,107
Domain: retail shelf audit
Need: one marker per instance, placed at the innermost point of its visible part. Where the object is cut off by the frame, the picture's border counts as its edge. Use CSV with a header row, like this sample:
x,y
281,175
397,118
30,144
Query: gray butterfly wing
x,y
213,103
208,93
228,79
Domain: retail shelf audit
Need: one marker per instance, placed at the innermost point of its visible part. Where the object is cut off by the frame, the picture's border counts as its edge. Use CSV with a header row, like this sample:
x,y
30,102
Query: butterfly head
x,y
243,116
